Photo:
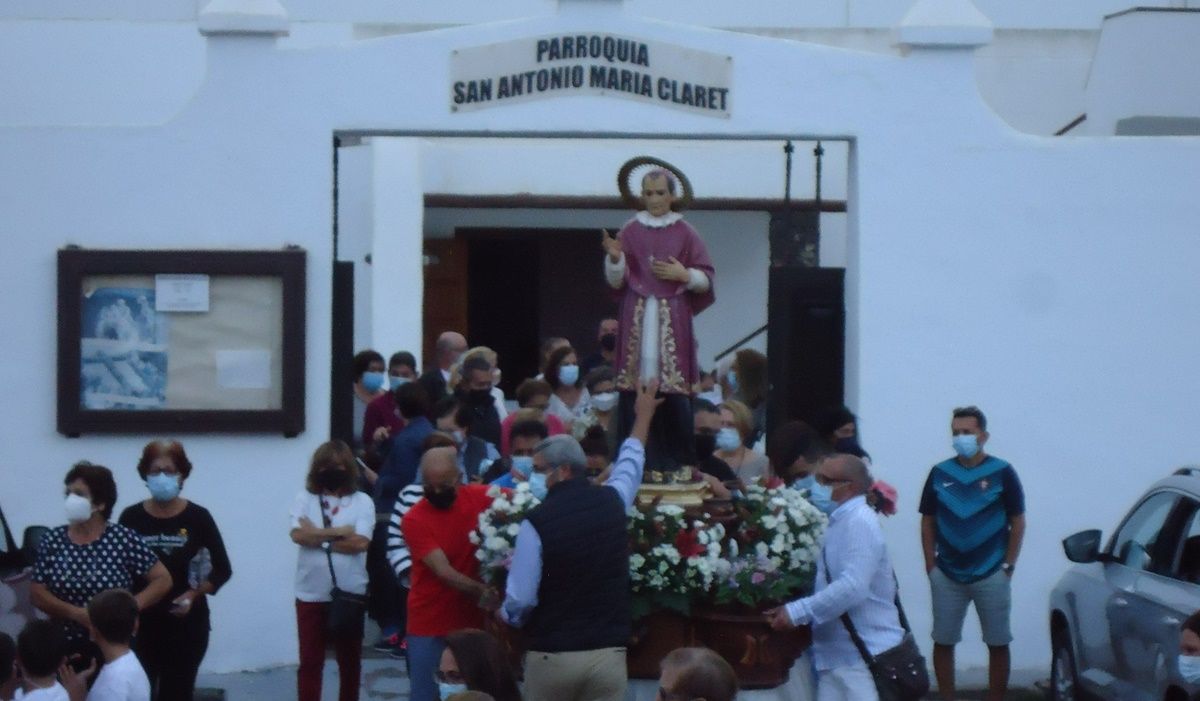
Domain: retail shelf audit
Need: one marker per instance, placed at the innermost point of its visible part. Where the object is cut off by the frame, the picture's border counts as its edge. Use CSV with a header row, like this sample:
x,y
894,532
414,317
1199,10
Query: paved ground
x,y
385,678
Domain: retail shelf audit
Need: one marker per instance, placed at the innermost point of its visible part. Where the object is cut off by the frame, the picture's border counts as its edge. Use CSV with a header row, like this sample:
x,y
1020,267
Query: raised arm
x,y
614,260
627,471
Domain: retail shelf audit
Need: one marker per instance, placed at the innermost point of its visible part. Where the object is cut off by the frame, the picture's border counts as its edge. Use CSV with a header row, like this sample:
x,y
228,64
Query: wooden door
x,y
445,303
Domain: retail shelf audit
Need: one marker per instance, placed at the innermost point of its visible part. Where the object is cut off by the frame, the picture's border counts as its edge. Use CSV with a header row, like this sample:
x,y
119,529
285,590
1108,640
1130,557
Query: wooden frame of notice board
x,y
166,342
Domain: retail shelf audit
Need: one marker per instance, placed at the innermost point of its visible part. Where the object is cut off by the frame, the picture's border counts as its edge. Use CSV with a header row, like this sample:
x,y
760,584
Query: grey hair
x,y
563,450
854,469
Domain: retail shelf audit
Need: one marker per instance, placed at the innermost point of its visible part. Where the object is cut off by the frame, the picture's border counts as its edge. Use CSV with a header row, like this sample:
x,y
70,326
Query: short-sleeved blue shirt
x,y
972,507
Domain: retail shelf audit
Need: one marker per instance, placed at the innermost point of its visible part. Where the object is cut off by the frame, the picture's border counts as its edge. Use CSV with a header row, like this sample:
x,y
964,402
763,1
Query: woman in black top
x,y
173,636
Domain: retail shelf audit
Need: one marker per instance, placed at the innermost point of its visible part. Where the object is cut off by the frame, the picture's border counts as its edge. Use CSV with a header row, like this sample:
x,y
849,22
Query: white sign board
x,y
591,64
180,293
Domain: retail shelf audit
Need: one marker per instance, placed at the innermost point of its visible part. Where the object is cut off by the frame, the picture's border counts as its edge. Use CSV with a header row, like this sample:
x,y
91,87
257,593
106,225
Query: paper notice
x,y
180,293
244,369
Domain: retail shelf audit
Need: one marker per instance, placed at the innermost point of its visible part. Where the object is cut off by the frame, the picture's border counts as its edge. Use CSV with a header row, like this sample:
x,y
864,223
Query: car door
x,y
1143,553
1164,599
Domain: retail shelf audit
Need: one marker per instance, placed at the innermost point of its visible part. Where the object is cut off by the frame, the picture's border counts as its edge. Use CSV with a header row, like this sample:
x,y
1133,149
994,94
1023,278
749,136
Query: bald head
x,y
450,345
848,467
697,673
439,468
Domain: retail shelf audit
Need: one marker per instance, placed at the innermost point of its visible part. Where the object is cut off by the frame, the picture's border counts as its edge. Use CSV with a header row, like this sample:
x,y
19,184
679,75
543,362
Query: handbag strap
x,y
849,624
327,548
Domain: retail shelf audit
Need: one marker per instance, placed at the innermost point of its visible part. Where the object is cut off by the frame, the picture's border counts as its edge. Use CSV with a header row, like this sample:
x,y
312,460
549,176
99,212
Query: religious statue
x,y
659,268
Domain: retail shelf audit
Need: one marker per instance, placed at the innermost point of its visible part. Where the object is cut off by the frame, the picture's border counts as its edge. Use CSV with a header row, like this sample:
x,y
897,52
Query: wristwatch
x,y
1008,568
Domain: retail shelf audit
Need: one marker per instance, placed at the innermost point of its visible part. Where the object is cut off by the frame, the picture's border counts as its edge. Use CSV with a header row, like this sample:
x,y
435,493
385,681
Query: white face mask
x,y
77,508
605,401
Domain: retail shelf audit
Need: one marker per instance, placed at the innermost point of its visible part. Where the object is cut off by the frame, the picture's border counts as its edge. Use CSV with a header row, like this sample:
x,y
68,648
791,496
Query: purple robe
x,y
679,369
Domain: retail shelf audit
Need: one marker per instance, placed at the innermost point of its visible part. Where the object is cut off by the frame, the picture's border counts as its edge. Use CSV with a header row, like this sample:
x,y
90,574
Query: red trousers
x,y
310,623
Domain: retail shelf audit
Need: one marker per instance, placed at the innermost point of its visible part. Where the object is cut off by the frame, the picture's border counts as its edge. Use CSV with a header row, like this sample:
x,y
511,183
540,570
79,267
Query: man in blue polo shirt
x,y
972,524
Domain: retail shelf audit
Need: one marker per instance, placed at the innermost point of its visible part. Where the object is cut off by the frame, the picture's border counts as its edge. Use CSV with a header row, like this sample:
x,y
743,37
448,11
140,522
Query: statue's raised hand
x,y
612,245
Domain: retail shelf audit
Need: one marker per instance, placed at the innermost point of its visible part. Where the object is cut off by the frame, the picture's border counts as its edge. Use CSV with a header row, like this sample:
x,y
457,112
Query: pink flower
x,y
758,578
884,498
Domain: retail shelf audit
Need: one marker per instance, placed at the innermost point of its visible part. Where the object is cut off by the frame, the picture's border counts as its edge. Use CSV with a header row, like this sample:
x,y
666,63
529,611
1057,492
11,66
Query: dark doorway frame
x,y
348,137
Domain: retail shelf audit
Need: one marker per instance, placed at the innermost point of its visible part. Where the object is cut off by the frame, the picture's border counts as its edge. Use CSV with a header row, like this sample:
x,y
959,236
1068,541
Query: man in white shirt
x,y
112,616
854,576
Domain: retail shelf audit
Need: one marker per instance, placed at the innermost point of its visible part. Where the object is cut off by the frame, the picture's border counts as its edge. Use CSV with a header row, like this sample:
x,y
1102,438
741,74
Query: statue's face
x,y
656,195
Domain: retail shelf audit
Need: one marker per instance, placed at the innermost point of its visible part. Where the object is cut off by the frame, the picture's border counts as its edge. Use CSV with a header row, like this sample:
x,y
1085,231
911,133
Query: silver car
x,y
1115,616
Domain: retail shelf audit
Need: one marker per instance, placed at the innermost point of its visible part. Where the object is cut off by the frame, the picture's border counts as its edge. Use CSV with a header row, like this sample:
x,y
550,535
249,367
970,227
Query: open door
x,y
445,304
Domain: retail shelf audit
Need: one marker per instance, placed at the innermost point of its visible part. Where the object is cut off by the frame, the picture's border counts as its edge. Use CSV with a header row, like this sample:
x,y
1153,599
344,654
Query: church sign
x,y
590,64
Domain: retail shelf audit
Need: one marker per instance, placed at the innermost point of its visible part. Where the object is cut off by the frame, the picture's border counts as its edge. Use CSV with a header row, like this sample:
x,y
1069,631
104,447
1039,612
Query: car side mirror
x,y
1083,547
31,541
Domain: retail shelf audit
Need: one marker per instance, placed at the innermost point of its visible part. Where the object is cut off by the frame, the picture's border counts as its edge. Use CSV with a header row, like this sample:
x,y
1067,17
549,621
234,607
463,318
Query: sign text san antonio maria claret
x,y
592,64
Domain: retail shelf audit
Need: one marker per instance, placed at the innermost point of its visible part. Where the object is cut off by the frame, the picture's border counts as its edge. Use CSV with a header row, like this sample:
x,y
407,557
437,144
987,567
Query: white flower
x,y
761,549
513,529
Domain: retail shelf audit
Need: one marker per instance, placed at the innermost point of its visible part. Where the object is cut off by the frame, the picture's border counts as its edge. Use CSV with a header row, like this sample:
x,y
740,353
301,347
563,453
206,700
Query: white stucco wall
x,y
986,266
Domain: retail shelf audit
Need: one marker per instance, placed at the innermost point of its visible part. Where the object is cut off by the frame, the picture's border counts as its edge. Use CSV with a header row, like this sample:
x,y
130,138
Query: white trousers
x,y
853,683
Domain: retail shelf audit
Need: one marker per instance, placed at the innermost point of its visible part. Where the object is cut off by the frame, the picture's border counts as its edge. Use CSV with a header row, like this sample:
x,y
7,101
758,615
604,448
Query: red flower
x,y
688,545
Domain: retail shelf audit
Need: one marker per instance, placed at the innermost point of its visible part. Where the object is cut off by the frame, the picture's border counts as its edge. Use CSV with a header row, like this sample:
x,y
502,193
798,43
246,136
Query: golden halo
x,y
636,168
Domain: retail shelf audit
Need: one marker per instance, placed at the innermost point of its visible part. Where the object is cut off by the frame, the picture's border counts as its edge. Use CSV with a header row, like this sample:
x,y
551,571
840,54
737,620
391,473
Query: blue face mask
x,y
568,374
1189,668
537,486
728,439
821,496
163,487
396,381
523,464
374,381
804,483
446,690
966,445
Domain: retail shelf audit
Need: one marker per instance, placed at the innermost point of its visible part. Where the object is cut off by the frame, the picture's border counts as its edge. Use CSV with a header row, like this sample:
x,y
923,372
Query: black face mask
x,y
479,396
331,479
442,500
608,341
706,443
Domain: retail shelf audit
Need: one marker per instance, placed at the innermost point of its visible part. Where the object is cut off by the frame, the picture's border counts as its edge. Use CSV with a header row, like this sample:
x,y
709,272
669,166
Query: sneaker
x,y
400,651
389,643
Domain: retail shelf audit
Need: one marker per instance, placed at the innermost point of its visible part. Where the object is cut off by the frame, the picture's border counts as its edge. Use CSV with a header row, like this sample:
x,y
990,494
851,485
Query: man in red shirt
x,y
446,593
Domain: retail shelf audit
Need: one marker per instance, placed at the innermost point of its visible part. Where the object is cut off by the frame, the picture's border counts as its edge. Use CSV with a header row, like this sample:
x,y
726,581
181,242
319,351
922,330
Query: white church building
x,y
1012,188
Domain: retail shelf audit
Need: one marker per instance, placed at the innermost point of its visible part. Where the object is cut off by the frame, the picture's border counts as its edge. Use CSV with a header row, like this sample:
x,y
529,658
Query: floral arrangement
x,y
772,554
673,560
496,535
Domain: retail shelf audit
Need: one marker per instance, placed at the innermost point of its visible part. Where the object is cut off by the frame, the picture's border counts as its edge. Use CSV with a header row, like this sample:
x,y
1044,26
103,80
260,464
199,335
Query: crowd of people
x,y
386,526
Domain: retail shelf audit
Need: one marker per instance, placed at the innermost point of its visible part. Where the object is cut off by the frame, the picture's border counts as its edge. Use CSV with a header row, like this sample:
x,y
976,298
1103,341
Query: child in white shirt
x,y
112,618
41,649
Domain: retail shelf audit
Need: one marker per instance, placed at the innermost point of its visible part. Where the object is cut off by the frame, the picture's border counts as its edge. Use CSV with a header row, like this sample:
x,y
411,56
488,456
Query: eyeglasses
x,y
451,677
828,481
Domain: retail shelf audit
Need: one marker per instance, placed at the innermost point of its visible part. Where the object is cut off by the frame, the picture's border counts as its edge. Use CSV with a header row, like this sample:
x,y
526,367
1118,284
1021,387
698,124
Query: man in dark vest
x,y
569,581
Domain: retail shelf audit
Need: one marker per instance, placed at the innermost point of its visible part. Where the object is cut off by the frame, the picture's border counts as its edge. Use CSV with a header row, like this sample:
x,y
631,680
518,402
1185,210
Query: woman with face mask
x,y
570,400
89,555
370,383
737,424
474,661
1188,660
602,392
332,523
173,634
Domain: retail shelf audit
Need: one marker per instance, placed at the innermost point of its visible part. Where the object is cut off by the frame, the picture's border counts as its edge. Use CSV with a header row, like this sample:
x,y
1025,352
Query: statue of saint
x,y
660,269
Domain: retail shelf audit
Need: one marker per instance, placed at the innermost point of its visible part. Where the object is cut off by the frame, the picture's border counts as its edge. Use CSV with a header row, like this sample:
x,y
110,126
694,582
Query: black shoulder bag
x,y
899,672
346,610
